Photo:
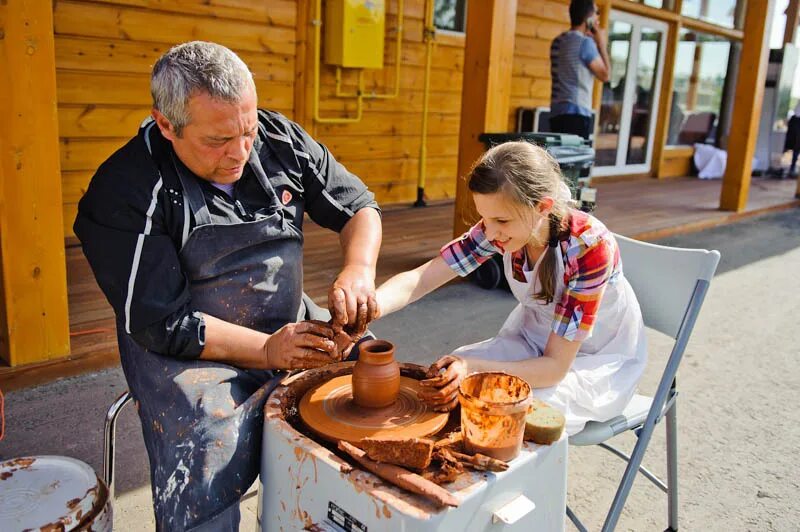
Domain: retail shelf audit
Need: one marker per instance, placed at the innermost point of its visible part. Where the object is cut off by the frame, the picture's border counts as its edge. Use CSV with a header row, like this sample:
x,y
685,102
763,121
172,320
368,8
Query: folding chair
x,y
110,438
670,284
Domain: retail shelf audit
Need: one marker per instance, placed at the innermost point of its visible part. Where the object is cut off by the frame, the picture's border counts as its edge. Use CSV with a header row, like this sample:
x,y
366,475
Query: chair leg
x,y
672,466
643,470
575,520
109,437
628,477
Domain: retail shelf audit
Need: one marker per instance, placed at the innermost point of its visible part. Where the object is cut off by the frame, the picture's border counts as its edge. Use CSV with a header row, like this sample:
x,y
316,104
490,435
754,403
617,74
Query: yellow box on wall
x,y
354,33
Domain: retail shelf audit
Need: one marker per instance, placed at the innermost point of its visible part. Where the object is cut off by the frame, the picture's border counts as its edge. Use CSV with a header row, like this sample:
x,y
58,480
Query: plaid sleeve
x,y
470,250
586,279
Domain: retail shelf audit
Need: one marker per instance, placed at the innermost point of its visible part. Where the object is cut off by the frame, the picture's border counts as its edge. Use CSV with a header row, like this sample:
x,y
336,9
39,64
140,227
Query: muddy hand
x,y
440,390
343,341
352,288
301,346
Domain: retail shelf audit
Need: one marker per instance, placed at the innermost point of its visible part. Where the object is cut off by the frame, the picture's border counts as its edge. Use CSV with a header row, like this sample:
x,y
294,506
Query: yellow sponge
x,y
543,424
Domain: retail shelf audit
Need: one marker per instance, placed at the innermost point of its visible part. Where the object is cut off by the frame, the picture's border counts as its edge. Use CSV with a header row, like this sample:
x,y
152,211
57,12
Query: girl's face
x,y
509,225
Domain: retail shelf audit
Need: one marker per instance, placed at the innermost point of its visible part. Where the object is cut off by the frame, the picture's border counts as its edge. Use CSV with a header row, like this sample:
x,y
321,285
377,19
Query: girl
x,y
577,335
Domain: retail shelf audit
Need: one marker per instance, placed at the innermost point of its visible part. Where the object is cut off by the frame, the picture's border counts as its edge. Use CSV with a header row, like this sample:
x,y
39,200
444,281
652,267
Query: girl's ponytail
x,y
547,268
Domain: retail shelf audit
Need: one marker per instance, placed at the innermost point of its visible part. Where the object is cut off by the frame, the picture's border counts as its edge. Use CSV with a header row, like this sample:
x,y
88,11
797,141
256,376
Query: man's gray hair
x,y
193,67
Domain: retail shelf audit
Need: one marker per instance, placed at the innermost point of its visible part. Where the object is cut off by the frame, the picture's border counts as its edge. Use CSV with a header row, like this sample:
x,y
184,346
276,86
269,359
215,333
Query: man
x,y
577,57
194,232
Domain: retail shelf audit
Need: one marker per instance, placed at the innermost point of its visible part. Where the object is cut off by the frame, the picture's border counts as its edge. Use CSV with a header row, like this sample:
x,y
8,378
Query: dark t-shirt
x,y
136,195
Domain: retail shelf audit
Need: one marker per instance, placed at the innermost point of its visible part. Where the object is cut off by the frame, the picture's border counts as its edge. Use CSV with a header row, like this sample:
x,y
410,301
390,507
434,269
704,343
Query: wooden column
x,y
663,113
694,77
33,310
604,6
747,109
486,90
302,72
792,20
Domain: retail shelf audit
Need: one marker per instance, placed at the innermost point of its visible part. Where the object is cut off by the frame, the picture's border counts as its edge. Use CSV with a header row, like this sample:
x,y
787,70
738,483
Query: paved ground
x,y
739,386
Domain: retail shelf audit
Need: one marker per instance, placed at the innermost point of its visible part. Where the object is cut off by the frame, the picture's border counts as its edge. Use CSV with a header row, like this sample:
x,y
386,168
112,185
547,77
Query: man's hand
x,y
353,288
600,37
440,389
301,345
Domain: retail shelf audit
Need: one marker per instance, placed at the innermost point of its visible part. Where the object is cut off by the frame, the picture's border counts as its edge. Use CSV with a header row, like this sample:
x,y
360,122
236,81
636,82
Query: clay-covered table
x,y
306,485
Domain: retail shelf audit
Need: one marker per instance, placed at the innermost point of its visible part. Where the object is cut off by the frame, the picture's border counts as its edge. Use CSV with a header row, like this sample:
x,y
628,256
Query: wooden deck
x,y
646,209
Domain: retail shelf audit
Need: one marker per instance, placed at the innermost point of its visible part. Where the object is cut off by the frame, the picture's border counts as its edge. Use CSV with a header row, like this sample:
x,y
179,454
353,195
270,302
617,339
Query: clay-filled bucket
x,y
493,408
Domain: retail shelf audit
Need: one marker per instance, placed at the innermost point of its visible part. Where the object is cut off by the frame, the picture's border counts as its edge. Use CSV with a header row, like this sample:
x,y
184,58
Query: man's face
x,y
216,142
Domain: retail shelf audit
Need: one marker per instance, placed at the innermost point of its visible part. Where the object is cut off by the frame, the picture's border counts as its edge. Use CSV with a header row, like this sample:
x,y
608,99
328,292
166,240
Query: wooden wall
x,y
104,53
105,50
383,148
538,22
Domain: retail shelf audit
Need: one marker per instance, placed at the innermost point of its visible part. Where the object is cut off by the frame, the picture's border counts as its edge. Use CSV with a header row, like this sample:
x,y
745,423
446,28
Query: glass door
x,y
629,104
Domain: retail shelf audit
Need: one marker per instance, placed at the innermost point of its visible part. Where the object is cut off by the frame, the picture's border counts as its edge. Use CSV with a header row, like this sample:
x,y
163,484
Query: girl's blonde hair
x,y
526,173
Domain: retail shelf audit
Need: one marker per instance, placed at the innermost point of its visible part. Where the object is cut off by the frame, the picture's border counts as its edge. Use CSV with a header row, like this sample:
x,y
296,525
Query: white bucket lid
x,y
36,491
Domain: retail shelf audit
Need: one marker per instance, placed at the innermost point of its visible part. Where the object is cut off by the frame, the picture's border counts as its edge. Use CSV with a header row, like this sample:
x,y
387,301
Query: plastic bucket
x,y
493,408
52,493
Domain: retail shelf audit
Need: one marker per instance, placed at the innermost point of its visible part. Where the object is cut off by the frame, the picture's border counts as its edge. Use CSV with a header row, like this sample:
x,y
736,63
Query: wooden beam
x,y
674,16
33,309
665,100
792,13
713,29
486,90
694,77
747,109
645,11
301,60
604,6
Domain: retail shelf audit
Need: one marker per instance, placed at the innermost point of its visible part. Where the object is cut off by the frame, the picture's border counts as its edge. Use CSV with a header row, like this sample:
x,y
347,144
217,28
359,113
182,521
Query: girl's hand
x,y
440,389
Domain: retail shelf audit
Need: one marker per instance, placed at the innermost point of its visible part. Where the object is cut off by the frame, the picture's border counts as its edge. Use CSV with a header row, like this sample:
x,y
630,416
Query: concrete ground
x,y
739,383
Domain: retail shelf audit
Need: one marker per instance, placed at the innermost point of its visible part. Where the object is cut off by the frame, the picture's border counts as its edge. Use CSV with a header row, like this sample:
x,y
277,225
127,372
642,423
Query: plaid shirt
x,y
591,261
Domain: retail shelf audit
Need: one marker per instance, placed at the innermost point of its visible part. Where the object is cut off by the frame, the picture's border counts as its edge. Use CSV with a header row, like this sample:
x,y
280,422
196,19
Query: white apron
x,y
609,363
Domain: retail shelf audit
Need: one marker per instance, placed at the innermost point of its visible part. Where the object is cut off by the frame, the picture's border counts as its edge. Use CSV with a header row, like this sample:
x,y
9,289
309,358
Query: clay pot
x,y
376,375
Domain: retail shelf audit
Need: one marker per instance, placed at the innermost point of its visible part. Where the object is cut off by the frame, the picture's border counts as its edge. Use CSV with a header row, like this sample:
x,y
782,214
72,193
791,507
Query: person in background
x,y
577,335
577,57
792,141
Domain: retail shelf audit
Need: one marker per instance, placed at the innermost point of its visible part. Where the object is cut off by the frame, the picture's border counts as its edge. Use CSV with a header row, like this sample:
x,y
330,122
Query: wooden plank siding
x,y
104,51
383,148
106,48
538,22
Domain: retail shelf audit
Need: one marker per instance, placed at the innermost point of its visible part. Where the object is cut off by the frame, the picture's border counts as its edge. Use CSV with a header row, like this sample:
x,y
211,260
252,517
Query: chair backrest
x,y
664,279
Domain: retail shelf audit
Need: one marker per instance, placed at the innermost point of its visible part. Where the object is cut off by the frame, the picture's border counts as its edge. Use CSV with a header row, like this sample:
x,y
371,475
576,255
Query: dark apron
x,y
202,421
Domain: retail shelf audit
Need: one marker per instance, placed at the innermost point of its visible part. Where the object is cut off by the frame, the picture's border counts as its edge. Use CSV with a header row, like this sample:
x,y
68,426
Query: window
x,y
701,65
719,12
450,15
658,4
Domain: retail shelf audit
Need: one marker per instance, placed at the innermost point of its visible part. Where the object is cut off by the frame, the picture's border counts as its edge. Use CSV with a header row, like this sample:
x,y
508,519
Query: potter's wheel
x,y
329,411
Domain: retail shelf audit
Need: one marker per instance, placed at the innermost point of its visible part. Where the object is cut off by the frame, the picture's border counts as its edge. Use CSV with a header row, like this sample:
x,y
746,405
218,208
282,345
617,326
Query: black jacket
x,y
150,292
